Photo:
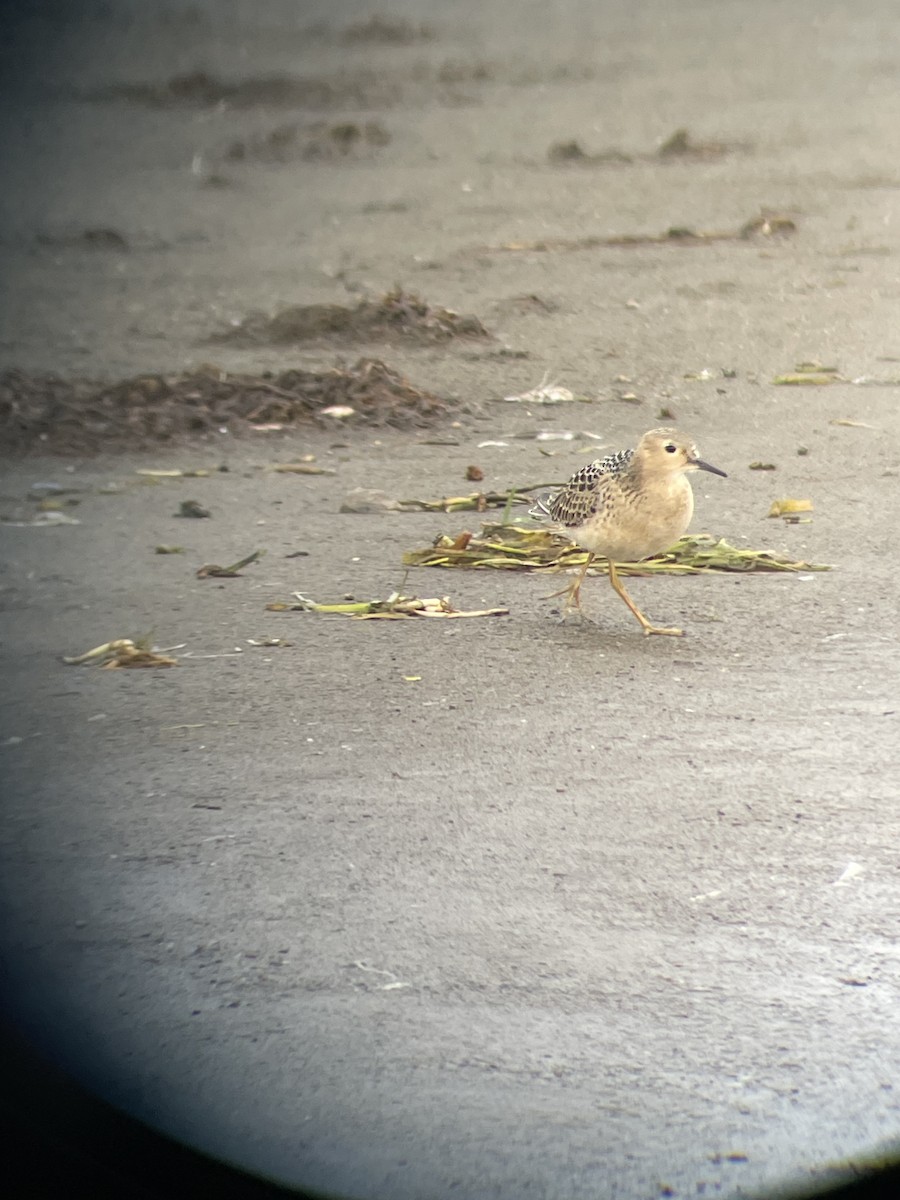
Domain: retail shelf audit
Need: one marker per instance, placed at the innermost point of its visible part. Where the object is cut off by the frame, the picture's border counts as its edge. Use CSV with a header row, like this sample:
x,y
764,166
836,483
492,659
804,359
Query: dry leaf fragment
x,y
845,421
395,608
788,506
545,395
153,473
212,570
805,379
122,652
300,468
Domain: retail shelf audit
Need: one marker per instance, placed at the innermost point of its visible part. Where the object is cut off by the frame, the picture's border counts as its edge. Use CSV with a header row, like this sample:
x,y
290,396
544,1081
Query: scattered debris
x,y
395,608
851,871
810,374
521,548
357,89
81,415
43,519
369,500
761,466
546,393
704,375
174,473
474,474
871,381
814,374
849,424
769,225
680,145
269,641
765,226
523,305
320,142
387,31
395,314
123,652
300,468
192,508
169,550
573,152
212,570
789,508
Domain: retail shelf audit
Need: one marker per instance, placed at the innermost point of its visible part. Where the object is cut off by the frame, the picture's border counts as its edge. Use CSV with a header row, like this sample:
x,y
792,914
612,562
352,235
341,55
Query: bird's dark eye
x,y
671,447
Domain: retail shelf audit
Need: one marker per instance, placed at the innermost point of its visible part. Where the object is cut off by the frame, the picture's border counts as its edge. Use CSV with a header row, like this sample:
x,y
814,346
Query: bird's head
x,y
666,451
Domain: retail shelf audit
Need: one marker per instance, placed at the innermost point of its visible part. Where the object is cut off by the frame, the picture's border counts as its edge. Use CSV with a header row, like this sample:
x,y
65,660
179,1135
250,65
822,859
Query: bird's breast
x,y
640,522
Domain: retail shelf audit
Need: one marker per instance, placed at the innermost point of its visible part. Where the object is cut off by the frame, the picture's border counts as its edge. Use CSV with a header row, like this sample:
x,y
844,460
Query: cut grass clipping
x,y
518,548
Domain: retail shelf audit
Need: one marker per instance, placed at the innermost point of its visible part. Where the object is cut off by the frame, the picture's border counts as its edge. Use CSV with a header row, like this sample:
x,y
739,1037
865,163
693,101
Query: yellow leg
x,y
572,593
645,624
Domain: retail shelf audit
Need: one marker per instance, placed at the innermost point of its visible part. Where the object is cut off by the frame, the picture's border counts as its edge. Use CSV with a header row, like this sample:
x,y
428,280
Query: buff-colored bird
x,y
627,507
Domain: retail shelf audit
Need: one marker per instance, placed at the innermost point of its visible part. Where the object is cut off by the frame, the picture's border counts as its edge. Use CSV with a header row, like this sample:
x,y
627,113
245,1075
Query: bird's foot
x,y
573,599
651,629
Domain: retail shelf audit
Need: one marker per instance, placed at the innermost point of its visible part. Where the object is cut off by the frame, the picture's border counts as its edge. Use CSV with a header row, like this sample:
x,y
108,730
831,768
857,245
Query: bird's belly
x,y
639,530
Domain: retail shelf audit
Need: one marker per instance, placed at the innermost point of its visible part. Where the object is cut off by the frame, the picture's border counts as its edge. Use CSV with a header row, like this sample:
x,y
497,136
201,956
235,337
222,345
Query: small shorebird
x,y
627,507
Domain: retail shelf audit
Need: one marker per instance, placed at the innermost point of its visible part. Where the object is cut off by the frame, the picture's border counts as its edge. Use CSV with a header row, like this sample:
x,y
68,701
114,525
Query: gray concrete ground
x,y
573,913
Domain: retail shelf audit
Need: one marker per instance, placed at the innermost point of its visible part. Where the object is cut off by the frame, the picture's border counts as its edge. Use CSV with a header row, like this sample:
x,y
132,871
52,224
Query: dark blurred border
x,y
59,1140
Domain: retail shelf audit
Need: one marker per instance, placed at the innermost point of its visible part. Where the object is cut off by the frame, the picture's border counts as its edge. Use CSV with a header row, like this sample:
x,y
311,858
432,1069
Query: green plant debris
x,y
300,468
161,549
519,548
810,374
477,501
395,608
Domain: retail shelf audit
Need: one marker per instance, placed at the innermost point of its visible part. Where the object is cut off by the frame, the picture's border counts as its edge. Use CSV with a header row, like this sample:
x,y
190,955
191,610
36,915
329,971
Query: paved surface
x,y
576,913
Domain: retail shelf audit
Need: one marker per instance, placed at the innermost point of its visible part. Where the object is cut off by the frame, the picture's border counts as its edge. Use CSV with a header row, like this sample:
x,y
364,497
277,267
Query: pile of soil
x,y
397,314
319,142
199,89
63,415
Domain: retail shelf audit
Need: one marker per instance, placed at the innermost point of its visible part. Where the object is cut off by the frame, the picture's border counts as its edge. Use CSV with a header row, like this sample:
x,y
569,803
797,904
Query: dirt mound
x,y
199,89
397,315
49,413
